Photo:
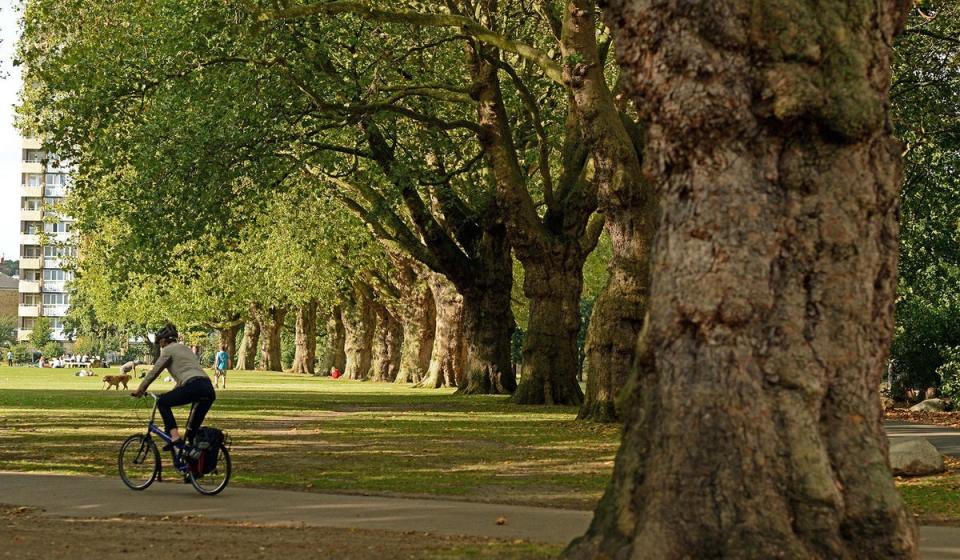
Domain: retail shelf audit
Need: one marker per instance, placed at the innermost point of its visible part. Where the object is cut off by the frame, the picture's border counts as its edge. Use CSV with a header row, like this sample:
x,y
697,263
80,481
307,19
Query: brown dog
x,y
115,381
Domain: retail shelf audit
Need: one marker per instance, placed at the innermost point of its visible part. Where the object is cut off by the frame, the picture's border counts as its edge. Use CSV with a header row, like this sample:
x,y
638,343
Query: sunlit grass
x,y
311,433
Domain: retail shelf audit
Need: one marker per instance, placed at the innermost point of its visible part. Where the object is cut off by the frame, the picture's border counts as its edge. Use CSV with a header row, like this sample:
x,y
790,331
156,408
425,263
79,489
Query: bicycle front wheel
x,y
213,482
139,462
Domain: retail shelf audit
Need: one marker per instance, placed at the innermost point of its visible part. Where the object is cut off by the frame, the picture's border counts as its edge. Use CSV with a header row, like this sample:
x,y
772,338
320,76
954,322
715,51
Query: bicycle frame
x,y
152,428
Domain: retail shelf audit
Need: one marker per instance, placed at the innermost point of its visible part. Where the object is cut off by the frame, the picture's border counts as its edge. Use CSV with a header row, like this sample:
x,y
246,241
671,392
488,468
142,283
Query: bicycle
x,y
139,460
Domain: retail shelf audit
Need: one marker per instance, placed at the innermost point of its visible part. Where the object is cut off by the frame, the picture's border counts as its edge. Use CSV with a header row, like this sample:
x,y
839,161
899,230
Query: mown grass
x,y
320,434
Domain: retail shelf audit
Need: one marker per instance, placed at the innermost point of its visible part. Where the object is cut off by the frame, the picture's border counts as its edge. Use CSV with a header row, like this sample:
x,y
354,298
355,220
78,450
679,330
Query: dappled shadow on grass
x,y
390,441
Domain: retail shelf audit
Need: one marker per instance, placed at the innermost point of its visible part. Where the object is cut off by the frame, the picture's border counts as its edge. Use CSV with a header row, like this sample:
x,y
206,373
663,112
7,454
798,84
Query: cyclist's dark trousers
x,y
197,390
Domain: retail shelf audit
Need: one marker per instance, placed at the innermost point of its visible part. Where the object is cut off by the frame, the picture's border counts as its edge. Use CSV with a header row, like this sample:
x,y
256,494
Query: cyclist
x,y
193,385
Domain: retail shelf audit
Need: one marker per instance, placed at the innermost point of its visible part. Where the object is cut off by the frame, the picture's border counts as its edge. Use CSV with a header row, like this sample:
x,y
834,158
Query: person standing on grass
x,y
10,358
193,386
221,363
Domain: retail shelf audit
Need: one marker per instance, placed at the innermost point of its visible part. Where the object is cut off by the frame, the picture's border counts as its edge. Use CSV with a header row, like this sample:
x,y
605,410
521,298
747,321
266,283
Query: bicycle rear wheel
x,y
213,482
139,462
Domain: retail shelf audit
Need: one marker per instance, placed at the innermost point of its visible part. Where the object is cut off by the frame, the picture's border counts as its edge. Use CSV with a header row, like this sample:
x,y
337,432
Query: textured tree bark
x,y
333,354
753,425
449,353
627,203
247,358
306,339
488,321
419,320
358,324
388,336
550,356
271,326
228,338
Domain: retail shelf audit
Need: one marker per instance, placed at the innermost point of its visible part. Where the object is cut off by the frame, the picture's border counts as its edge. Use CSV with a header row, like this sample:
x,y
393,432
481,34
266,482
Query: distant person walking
x,y
221,363
129,368
10,358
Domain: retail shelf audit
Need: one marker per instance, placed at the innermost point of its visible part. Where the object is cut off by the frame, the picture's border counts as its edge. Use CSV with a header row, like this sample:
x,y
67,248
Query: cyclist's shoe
x,y
178,443
191,452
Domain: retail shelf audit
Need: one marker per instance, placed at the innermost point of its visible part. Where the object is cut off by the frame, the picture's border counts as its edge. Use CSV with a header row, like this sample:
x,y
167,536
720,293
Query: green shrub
x,y
52,350
22,354
949,374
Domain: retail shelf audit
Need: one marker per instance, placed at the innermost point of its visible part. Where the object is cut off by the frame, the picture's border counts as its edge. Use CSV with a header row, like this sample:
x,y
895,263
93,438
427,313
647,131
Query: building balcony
x,y
32,263
55,286
29,239
57,191
59,335
52,262
28,310
32,167
23,334
29,287
31,215
55,310
34,191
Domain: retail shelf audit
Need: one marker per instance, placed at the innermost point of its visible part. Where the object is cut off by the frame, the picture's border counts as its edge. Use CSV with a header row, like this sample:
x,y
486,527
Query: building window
x,y
32,179
56,323
58,227
30,275
31,228
30,204
56,299
26,323
30,251
29,299
33,156
57,251
55,275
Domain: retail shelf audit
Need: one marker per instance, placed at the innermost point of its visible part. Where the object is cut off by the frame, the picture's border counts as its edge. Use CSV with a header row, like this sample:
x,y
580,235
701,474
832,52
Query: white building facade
x,y
44,242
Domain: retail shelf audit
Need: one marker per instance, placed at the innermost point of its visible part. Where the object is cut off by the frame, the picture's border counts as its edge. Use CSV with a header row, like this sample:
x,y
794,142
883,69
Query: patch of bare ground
x,y
948,419
29,535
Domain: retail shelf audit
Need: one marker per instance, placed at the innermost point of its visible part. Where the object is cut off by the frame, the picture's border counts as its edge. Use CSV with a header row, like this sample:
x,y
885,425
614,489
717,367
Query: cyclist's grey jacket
x,y
179,361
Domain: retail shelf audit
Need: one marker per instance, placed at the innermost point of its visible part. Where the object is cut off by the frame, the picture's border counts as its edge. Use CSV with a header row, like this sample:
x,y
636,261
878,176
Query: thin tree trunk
x,y
271,326
753,423
358,323
550,355
247,358
338,339
419,320
386,344
449,352
306,339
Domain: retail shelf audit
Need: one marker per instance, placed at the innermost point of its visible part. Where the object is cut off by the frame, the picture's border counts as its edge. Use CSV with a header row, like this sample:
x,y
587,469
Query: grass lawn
x,y
319,434
309,433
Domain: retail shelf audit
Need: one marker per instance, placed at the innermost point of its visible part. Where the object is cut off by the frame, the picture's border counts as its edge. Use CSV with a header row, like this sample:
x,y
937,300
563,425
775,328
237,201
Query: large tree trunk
x,y
228,339
306,339
449,352
550,356
387,339
271,326
488,320
247,358
419,319
358,324
333,352
753,425
618,313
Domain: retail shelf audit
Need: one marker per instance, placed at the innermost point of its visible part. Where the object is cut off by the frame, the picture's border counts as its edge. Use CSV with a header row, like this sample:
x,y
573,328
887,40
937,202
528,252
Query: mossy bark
x,y
753,425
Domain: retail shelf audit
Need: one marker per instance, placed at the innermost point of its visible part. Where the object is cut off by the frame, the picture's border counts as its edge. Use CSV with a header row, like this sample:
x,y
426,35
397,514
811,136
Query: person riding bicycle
x,y
193,385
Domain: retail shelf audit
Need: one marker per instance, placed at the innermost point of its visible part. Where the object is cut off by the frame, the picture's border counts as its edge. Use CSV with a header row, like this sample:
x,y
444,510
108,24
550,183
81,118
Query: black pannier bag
x,y
207,442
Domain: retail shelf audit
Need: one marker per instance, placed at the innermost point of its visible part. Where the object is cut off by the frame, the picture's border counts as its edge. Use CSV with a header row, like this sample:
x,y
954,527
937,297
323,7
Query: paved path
x,y
104,497
947,440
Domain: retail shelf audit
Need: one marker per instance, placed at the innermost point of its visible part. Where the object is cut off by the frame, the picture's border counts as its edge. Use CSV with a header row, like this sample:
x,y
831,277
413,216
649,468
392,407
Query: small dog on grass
x,y
115,381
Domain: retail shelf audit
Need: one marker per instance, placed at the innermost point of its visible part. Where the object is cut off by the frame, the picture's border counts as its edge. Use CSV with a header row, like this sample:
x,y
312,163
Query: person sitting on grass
x,y
193,386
